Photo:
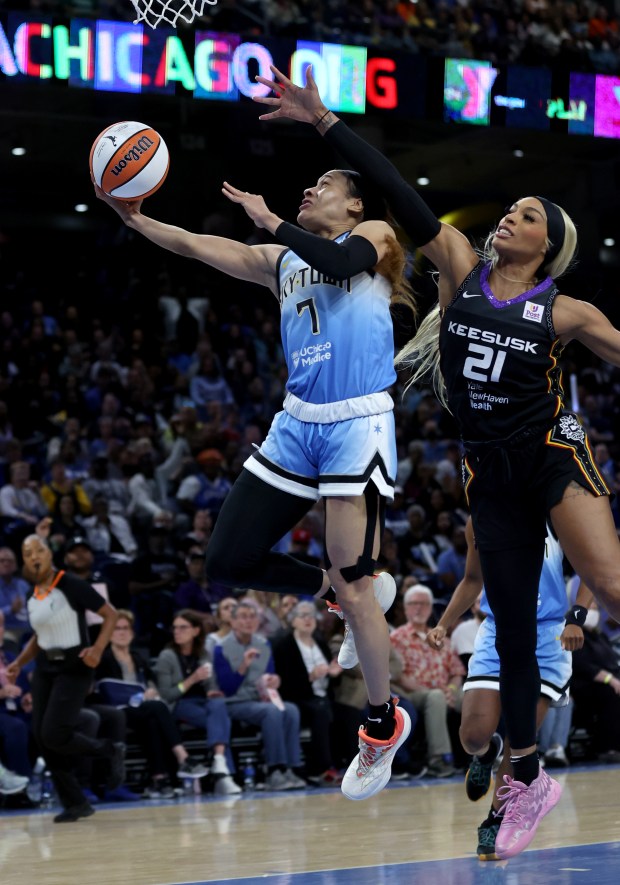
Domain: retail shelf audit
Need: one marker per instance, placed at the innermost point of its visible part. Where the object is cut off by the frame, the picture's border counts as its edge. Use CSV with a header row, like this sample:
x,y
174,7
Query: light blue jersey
x,y
337,335
336,432
552,597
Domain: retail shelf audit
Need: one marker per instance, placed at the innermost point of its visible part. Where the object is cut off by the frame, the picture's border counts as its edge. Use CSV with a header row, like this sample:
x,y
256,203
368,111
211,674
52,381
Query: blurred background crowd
x,y
133,388
134,384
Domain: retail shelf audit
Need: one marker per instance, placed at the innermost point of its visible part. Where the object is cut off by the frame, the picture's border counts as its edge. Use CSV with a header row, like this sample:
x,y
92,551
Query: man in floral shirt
x,y
431,678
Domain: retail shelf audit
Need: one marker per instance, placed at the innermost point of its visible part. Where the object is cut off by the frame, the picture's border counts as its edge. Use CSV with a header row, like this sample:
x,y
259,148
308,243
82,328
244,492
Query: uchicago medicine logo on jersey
x,y
313,353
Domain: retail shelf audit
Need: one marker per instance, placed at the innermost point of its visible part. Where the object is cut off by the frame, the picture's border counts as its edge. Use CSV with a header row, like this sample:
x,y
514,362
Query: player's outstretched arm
x,y
255,264
363,250
442,244
579,320
304,105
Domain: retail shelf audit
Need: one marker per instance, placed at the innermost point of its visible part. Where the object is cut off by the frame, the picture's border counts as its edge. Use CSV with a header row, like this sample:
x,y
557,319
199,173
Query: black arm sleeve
x,y
340,261
408,208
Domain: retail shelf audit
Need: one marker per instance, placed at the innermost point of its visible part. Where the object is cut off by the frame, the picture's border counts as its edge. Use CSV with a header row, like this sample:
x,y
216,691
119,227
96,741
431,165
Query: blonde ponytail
x,y
421,355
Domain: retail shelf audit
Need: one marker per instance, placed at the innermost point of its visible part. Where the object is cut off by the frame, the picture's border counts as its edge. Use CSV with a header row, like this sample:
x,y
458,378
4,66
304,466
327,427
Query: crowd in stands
x,y
123,430
132,391
582,35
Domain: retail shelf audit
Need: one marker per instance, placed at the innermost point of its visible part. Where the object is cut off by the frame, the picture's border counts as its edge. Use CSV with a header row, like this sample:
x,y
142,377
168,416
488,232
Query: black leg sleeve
x,y
511,579
254,517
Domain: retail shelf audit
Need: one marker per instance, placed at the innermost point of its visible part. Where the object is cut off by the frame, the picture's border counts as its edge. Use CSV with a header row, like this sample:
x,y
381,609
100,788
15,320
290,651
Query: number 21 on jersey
x,y
476,367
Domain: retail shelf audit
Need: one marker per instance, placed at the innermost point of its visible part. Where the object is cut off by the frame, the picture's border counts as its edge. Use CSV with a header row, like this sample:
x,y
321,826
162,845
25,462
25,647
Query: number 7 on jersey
x,y
310,306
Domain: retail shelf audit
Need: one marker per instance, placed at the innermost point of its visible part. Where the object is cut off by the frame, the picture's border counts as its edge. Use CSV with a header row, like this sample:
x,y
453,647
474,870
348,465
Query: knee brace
x,y
365,565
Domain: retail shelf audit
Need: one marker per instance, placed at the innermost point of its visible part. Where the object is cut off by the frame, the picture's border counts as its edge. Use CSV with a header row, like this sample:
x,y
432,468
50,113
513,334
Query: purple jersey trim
x,y
495,302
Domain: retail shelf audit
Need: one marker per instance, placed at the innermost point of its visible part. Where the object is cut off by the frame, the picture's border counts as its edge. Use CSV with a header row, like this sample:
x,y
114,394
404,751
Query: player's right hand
x,y
124,208
436,636
572,638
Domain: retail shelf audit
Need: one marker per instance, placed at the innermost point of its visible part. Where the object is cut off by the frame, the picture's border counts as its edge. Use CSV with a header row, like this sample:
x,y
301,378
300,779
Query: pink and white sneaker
x,y
524,807
384,587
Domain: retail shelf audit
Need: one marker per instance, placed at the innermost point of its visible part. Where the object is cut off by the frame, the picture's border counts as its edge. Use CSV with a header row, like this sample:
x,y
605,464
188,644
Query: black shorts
x,y
511,487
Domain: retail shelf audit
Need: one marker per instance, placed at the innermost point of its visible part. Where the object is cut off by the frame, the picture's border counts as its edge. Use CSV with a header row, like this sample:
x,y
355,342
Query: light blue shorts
x,y
555,664
321,460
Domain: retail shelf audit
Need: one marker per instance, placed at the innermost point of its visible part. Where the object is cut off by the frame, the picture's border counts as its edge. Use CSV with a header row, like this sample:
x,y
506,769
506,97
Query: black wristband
x,y
576,615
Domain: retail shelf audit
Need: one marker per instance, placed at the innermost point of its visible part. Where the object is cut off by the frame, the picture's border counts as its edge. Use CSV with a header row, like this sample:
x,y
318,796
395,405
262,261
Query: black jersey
x,y
499,359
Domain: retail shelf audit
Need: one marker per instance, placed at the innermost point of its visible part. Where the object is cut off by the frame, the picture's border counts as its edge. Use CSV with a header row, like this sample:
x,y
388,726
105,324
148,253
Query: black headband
x,y
555,228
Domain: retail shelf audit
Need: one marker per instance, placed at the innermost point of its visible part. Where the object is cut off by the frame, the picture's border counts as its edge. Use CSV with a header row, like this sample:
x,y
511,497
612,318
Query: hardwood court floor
x,y
429,827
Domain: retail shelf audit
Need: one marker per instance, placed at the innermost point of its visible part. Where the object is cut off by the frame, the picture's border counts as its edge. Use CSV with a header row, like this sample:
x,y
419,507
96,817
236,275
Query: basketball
x,y
129,160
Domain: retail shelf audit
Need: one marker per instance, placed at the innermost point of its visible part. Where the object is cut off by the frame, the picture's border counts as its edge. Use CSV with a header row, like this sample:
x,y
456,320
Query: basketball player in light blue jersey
x,y
558,635
335,278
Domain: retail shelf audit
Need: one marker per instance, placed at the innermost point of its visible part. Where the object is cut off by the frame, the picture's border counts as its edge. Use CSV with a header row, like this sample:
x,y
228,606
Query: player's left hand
x,y
572,638
254,206
291,101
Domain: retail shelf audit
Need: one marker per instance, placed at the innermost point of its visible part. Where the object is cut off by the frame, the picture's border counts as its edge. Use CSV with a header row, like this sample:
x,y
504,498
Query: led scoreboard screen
x,y
112,56
519,97
122,57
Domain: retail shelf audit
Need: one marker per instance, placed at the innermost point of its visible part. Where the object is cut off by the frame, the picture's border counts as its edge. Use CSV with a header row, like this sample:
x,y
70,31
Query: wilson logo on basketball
x,y
129,160
134,153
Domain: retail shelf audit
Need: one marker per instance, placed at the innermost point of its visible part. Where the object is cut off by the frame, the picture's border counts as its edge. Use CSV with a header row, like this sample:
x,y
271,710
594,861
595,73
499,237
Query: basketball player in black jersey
x,y
492,345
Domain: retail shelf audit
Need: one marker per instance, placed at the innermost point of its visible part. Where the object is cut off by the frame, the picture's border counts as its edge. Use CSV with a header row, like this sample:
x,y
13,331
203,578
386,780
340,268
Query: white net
x,y
154,12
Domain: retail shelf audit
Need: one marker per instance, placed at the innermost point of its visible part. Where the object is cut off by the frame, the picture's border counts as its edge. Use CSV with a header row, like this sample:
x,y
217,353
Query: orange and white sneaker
x,y
371,769
384,587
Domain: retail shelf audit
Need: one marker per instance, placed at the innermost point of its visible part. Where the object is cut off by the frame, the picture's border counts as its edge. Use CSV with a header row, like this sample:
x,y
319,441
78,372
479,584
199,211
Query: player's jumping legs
x,y
352,545
352,542
479,718
511,579
254,517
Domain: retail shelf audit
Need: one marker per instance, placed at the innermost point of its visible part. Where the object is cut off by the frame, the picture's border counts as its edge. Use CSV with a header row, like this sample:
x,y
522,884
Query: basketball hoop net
x,y
154,12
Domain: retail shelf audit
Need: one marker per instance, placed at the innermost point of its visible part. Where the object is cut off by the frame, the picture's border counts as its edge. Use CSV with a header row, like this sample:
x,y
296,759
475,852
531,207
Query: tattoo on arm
x,y
573,490
326,123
